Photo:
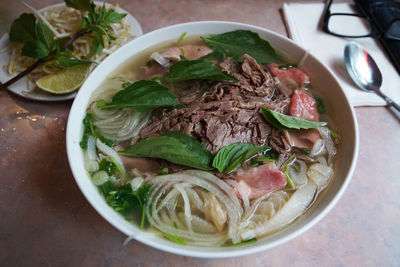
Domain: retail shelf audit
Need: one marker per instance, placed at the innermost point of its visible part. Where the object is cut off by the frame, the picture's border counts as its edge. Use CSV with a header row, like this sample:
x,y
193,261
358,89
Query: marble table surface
x,y
46,221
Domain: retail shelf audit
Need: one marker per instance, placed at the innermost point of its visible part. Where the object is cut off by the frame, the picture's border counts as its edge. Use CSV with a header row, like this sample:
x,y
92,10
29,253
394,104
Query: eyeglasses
x,y
350,25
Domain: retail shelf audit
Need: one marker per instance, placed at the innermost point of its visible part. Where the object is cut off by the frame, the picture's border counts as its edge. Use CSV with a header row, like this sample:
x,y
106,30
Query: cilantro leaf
x,y
23,29
124,200
90,130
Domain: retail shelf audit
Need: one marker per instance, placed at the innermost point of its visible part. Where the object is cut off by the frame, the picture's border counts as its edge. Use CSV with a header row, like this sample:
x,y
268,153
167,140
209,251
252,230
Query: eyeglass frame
x,y
328,15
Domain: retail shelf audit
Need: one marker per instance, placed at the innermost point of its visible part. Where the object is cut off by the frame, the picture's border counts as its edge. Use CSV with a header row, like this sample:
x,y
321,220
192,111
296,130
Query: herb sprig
x,y
41,44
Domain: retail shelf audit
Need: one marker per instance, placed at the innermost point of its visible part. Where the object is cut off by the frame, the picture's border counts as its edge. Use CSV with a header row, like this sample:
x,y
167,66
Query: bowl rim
x,y
195,251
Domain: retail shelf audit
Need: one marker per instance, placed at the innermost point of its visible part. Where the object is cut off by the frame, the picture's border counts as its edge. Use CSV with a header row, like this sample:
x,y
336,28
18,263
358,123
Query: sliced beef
x,y
189,52
228,113
259,181
162,61
303,138
303,106
294,74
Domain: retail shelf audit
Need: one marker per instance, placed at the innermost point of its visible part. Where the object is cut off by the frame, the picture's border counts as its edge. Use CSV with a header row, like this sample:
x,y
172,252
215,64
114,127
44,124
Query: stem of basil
x,y
42,60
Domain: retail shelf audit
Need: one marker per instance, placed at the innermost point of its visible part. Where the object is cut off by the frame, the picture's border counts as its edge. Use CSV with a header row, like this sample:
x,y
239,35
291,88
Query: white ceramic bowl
x,y
337,106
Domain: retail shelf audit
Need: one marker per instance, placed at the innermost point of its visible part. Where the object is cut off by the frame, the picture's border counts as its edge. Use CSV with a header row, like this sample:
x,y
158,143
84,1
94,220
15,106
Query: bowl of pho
x,y
212,139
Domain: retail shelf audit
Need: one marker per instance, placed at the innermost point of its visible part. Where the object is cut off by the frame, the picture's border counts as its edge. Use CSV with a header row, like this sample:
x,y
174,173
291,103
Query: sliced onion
x,y
320,174
188,212
136,183
194,197
245,197
330,146
160,59
91,148
296,205
318,148
299,178
162,188
91,166
200,225
112,154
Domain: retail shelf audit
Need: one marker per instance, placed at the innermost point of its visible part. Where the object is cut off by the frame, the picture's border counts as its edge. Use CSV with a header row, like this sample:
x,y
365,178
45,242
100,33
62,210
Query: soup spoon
x,y
364,71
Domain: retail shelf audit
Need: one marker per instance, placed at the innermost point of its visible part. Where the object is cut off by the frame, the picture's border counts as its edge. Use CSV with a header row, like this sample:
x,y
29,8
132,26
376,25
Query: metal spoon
x,y
364,71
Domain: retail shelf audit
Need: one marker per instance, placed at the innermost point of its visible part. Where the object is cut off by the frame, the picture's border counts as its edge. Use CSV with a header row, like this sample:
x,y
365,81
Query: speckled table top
x,y
46,221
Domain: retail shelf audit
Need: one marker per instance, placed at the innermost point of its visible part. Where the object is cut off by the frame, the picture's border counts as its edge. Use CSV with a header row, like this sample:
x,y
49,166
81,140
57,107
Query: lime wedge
x,y
64,81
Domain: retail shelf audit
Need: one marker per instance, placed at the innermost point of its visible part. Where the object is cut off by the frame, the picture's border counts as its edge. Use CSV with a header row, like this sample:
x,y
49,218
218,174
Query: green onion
x,y
288,179
183,35
247,242
333,134
100,177
121,171
289,160
163,171
175,239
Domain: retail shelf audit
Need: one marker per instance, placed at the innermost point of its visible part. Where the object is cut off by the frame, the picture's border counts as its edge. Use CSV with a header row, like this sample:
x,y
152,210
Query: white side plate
x,y
20,87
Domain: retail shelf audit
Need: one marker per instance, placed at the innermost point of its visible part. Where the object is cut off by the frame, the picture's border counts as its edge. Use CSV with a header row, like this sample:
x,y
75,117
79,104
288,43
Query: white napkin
x,y
304,21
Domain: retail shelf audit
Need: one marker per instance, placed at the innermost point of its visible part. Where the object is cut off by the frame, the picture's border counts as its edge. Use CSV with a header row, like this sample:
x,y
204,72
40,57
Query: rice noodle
x,y
186,183
160,59
119,124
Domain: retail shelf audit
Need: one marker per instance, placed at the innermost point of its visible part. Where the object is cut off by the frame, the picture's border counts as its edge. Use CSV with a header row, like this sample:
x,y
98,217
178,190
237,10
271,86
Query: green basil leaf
x,y
61,41
237,43
35,49
270,156
66,59
282,121
113,17
44,34
23,28
83,5
97,45
142,96
196,69
175,147
232,156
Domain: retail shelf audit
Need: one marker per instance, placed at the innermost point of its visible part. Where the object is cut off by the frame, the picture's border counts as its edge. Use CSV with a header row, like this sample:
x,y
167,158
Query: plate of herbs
x,y
43,47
